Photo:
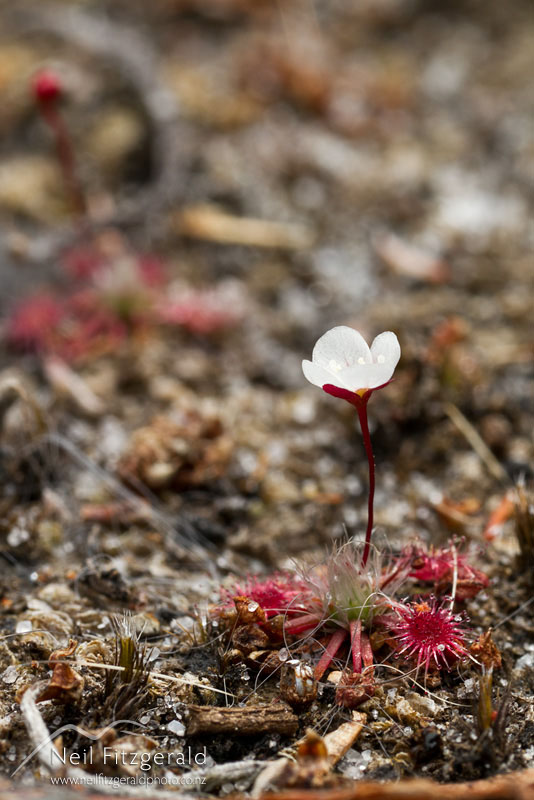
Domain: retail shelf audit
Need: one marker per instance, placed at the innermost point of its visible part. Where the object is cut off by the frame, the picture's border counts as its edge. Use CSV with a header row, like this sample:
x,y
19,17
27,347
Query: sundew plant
x,y
363,598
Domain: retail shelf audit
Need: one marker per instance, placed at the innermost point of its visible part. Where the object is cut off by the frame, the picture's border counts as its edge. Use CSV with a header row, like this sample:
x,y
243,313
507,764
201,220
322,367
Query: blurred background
x,y
193,191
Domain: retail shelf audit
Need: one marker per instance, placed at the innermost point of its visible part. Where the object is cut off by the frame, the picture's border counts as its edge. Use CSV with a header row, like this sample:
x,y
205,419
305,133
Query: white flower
x,y
342,358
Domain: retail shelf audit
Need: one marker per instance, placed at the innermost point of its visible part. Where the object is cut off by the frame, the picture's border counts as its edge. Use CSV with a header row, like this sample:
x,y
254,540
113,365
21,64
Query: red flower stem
x,y
362,415
367,652
328,656
301,624
356,644
65,154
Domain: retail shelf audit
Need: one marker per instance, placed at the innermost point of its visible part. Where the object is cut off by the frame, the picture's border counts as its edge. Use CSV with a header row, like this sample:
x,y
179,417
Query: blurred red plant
x,y
71,328
201,311
82,263
33,321
118,295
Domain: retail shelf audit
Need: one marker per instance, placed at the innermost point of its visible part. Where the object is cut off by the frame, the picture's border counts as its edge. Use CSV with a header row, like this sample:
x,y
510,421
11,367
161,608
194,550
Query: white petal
x,y
386,349
319,375
341,346
366,376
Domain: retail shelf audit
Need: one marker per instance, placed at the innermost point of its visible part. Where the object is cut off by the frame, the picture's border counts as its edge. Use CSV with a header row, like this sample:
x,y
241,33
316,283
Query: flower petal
x,y
366,376
320,376
385,349
341,347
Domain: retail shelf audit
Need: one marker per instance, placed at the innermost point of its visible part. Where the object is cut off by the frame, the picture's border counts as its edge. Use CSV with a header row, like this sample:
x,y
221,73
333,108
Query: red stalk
x,y
65,153
362,415
300,624
356,644
47,90
367,652
328,656
359,401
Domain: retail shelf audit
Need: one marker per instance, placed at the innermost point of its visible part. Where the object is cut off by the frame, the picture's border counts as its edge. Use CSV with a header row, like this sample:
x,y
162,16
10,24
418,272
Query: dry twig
x,y
246,721
514,786
477,443
209,222
338,742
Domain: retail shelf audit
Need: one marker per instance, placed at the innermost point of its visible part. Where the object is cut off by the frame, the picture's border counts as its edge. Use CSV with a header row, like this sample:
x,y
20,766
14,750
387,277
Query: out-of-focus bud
x,y
47,86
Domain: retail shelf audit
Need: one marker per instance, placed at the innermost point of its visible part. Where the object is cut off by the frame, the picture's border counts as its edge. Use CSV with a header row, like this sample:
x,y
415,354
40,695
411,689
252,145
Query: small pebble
x,y
24,626
176,727
10,675
17,536
283,654
525,661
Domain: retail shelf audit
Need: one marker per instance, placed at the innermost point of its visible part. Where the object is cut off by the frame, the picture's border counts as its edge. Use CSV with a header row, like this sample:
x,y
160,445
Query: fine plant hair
x,y
346,588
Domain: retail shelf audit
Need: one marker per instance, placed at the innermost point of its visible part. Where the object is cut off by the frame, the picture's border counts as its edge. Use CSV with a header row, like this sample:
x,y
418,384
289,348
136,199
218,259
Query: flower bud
x,y
47,86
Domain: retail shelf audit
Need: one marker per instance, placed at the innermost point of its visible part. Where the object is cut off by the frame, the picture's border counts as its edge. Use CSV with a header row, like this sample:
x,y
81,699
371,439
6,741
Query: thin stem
x,y
362,415
301,624
65,155
367,652
329,654
356,644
